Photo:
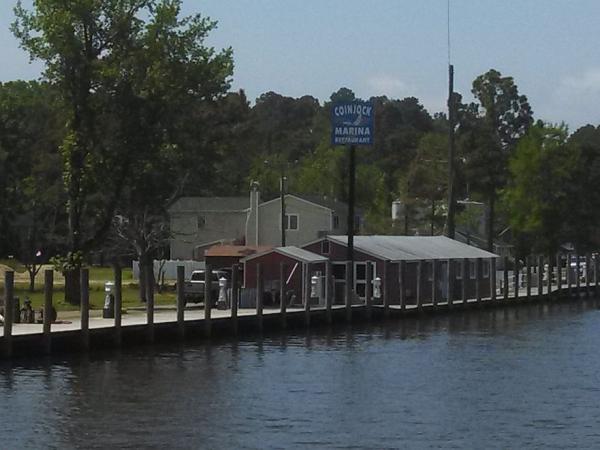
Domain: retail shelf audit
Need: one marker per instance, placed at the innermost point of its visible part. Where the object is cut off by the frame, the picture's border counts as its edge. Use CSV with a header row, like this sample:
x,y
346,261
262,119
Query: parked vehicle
x,y
193,289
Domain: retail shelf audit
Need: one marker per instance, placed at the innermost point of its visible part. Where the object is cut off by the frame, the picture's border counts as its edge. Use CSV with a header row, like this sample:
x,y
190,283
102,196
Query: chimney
x,y
252,224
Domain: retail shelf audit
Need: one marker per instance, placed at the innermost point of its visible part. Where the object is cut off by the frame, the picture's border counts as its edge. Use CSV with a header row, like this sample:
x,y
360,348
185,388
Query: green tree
x,y
535,198
489,139
583,215
124,70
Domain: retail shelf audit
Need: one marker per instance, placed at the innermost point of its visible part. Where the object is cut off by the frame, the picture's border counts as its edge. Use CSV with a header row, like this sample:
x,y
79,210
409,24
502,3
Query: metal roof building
x,y
413,248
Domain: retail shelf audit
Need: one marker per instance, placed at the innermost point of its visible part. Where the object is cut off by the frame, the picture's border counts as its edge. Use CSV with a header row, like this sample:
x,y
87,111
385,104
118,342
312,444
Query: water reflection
x,y
504,378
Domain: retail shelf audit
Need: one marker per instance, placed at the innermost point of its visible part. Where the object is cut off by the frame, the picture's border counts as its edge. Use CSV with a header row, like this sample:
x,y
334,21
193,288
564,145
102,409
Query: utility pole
x,y
282,198
351,195
450,225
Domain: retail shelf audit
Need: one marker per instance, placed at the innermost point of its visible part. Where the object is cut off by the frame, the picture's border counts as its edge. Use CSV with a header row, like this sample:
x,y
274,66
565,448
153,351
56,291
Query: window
x,y
486,269
430,271
336,222
291,221
339,271
473,269
458,269
201,222
325,247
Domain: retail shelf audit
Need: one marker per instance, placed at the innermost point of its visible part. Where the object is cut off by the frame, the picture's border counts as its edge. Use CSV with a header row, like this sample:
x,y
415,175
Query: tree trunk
x,y
432,215
490,223
32,272
142,285
72,287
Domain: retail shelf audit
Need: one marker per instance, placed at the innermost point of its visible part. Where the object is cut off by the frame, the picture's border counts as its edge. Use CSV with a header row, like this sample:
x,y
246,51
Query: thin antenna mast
x,y
450,225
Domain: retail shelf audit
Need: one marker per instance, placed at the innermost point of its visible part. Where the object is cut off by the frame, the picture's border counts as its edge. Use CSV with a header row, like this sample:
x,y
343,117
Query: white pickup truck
x,y
193,289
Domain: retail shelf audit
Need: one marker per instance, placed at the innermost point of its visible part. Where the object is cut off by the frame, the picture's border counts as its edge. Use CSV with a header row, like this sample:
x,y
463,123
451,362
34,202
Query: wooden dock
x,y
82,333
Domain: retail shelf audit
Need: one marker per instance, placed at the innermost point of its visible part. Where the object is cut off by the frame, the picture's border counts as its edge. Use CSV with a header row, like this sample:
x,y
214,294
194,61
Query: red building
x,y
382,254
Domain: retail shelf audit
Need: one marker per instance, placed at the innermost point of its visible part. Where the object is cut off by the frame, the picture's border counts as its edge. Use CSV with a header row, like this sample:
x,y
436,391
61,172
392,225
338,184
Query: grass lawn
x,y
98,276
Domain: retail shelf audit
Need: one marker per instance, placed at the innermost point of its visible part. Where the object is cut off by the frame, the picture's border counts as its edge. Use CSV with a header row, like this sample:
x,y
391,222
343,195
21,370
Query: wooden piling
x,y
84,309
540,277
465,280
493,279
577,277
596,276
528,276
402,284
569,276
450,282
235,296
348,291
478,266
559,274
259,297
9,311
516,273
588,261
208,300
150,307
118,304
181,302
328,293
48,292
505,280
385,285
420,285
435,274
282,302
368,291
306,292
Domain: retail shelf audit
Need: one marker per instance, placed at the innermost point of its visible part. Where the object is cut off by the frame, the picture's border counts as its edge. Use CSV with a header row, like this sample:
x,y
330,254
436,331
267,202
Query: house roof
x,y
238,251
413,248
197,204
294,253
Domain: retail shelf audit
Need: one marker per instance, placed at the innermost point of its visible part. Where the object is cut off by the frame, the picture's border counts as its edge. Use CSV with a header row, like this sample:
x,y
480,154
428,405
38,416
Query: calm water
x,y
509,378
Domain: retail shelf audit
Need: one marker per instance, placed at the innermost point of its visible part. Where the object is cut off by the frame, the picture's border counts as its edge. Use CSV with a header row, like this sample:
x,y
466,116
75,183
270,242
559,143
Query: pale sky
x,y
398,48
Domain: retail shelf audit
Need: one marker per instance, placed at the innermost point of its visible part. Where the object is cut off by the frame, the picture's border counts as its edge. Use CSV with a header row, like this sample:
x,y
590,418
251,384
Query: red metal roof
x,y
239,251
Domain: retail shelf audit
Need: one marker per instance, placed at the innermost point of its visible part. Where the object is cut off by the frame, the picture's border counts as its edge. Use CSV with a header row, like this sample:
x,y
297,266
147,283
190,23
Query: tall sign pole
x,y
351,125
351,199
450,225
282,202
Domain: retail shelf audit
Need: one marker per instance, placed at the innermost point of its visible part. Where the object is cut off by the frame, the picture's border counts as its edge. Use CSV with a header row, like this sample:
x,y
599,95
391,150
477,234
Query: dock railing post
x,y
505,280
517,273
402,284
9,311
150,306
282,299
118,304
493,279
420,285
259,297
528,277
559,275
569,276
588,261
368,290
48,292
386,288
348,291
328,293
450,282
435,274
596,275
180,302
465,280
577,276
235,296
306,292
478,266
84,309
208,300
540,277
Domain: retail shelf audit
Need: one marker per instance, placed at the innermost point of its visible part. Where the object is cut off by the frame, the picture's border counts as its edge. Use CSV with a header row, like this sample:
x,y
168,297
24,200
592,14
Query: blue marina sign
x,y
352,123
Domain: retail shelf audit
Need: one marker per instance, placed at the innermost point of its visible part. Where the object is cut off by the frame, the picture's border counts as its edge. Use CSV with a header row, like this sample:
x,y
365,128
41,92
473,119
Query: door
x,y
360,278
